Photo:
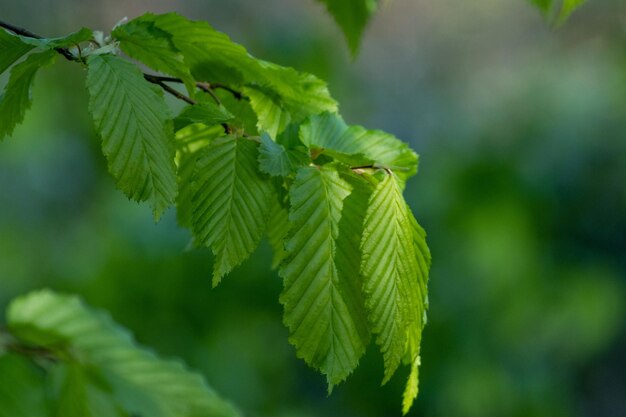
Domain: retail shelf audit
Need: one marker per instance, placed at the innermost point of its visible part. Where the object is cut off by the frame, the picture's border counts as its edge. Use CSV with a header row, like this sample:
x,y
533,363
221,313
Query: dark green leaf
x,y
13,48
231,201
16,98
352,16
22,388
131,116
147,43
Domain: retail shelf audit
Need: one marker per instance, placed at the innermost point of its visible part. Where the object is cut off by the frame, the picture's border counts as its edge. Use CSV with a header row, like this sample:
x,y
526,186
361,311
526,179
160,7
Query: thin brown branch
x,y
205,86
158,81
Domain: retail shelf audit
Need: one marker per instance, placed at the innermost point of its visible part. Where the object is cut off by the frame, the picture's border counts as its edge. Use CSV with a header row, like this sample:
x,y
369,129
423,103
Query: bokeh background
x,y
522,188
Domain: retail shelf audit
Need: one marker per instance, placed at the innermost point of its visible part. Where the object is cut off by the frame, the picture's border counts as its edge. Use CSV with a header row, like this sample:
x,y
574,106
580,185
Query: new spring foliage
x,y
259,150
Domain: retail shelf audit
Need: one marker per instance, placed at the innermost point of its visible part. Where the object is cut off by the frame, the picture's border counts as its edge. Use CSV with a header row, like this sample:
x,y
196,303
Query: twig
x,y
28,34
158,81
155,79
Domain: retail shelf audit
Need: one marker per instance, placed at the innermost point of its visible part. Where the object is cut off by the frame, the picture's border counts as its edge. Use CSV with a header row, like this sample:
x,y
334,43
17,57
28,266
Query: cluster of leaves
x,y
259,150
87,366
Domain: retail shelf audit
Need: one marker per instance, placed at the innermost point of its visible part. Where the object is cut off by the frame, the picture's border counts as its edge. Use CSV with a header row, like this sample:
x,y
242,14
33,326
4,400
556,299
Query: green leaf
x,y
395,270
272,118
327,327
75,38
13,48
352,17
277,229
82,395
205,113
276,161
209,54
281,95
131,117
329,132
411,389
298,93
140,382
22,392
231,201
16,98
72,39
147,43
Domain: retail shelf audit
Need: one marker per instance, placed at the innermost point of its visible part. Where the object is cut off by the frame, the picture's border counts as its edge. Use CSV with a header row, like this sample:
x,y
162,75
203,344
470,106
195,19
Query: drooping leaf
x,y
16,98
275,160
395,273
329,131
231,201
352,17
147,43
131,117
13,48
140,382
327,326
22,388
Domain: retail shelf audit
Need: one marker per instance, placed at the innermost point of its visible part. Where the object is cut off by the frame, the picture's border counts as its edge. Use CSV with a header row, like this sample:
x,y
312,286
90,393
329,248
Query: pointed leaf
x,y
395,279
352,16
131,117
327,328
16,98
230,203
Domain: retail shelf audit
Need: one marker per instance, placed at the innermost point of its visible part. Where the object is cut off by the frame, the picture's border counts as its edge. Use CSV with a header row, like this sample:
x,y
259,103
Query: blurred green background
x,y
522,189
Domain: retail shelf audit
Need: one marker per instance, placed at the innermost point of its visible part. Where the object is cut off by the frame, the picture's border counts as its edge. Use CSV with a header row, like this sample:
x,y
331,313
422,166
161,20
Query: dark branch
x,y
28,34
158,81
155,79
